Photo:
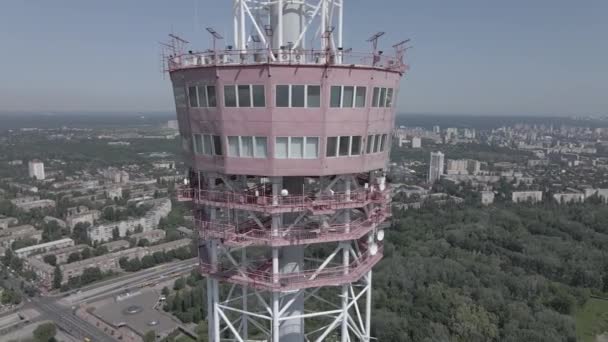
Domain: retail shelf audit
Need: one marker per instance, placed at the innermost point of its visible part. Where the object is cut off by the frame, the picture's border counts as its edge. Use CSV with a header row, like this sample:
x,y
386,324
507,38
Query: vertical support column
x,y
212,286
275,296
235,19
277,184
340,27
243,38
245,317
323,24
280,25
346,263
368,307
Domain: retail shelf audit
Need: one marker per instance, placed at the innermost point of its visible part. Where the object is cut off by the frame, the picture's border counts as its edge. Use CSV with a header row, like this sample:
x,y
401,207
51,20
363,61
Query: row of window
x,y
247,147
288,147
246,95
207,144
287,96
202,96
345,146
382,97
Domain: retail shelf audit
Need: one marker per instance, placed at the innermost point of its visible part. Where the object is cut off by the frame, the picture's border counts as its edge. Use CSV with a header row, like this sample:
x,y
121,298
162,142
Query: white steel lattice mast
x,y
287,134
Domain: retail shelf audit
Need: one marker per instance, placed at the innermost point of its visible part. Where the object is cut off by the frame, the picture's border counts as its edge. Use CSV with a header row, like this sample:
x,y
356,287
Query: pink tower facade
x,y
287,149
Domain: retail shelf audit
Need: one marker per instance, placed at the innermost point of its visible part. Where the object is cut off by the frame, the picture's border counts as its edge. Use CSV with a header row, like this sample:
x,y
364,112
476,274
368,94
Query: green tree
x,y
150,336
57,277
115,234
50,259
45,332
179,284
73,257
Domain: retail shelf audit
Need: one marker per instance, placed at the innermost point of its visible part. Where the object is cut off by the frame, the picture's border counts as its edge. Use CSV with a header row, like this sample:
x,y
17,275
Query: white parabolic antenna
x,y
380,235
373,249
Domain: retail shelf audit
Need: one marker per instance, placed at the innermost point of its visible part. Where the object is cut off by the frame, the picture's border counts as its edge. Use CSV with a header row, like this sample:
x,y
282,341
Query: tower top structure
x,y
284,31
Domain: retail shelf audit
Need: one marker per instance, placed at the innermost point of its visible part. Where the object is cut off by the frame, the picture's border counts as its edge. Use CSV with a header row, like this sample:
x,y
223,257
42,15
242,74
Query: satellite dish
x,y
380,235
373,249
284,192
185,181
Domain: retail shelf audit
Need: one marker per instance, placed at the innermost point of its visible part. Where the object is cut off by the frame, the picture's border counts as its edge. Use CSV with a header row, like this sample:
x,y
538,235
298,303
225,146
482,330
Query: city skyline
x,y
471,57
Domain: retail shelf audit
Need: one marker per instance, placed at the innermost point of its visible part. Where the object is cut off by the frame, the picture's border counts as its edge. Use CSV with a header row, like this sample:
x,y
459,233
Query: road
x,y
59,308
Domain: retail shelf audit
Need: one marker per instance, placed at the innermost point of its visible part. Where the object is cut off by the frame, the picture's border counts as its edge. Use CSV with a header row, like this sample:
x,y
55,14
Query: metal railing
x,y
234,235
261,278
276,204
284,57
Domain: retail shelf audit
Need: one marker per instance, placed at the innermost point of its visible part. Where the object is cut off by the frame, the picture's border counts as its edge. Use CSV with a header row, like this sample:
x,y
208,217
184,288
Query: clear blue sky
x,y
469,56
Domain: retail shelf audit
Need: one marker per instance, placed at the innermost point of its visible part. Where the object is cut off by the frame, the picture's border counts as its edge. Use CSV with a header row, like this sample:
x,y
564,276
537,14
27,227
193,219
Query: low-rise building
x,y
107,262
10,235
185,232
6,222
44,272
88,216
105,232
169,246
43,247
33,204
60,223
565,198
524,196
116,245
152,236
487,197
62,254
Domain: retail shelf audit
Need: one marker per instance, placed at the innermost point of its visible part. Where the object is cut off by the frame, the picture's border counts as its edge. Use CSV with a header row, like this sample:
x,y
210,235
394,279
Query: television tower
x,y
287,133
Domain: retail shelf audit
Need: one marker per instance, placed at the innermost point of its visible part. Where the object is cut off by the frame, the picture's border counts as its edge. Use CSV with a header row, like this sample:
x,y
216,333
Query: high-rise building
x,y
36,169
435,167
416,142
288,149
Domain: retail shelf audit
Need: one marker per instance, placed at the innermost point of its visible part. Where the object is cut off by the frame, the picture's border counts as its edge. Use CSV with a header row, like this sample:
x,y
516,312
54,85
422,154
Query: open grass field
x,y
592,320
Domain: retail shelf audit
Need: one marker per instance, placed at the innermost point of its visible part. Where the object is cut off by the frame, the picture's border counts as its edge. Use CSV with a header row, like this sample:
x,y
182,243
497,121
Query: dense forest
x,y
503,273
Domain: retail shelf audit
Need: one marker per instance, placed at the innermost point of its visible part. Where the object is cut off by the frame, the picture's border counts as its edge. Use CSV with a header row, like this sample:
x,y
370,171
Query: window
x,y
217,145
370,144
355,146
202,96
389,97
207,145
383,143
197,143
244,92
259,96
247,147
180,97
261,147
335,96
360,98
233,147
348,96
377,143
313,96
211,96
312,148
281,147
229,96
297,96
296,148
375,97
282,96
344,146
382,97
332,147
192,97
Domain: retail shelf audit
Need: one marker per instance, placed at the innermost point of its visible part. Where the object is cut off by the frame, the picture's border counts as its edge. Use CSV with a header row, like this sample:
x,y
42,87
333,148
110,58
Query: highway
x,y
59,308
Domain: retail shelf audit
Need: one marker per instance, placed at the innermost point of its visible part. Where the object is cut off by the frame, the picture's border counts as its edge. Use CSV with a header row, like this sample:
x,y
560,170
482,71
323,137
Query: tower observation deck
x,y
287,135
